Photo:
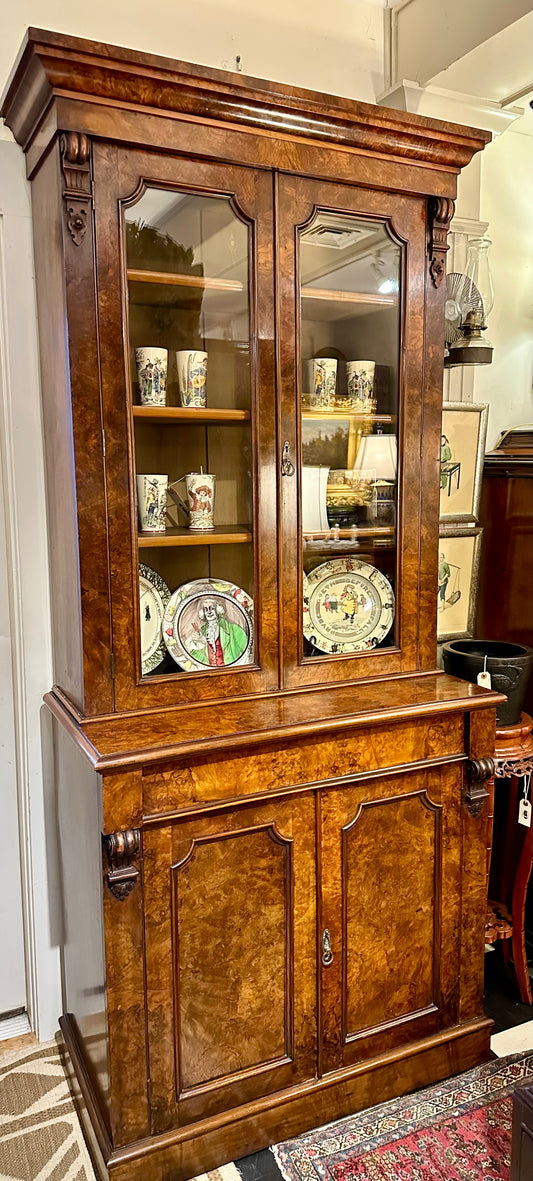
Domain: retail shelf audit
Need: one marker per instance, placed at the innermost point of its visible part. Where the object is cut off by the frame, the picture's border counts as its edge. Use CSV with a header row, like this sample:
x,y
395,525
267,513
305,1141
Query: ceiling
x,y
499,69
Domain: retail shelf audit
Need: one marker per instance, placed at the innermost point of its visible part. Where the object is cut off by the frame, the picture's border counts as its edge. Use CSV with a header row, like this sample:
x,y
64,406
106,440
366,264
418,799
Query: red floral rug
x,y
458,1130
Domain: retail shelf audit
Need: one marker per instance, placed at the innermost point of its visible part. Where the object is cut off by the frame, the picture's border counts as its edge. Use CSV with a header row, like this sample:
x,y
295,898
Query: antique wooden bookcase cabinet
x,y
273,866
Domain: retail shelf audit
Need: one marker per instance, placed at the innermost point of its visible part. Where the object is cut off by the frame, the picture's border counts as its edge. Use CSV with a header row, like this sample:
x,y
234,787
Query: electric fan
x,y
462,297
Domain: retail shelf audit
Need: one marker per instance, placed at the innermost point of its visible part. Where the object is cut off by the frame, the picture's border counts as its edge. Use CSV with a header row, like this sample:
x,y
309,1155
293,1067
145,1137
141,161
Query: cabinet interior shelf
x,y
321,304
382,301
171,279
189,414
177,535
356,531
337,412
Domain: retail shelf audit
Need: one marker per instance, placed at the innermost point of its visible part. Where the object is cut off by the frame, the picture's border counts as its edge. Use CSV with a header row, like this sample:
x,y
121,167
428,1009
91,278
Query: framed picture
x,y
459,551
325,439
464,429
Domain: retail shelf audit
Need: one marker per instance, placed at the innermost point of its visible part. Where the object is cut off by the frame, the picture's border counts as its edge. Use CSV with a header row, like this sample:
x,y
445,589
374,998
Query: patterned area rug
x,y
459,1130
40,1137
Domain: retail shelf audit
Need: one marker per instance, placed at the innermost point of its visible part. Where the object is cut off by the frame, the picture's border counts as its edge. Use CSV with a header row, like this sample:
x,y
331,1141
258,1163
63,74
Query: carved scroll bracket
x,y
121,849
478,771
75,149
440,211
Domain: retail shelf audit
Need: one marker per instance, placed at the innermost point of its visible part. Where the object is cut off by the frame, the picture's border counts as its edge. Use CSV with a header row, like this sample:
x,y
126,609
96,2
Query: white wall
x,y
429,35
335,46
507,204
27,579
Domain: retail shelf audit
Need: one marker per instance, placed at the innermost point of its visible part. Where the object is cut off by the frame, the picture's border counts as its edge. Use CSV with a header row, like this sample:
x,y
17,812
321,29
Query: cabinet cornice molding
x,y
52,64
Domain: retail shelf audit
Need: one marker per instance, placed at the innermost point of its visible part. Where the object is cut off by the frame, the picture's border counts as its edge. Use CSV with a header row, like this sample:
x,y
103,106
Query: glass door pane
x,y
349,270
189,341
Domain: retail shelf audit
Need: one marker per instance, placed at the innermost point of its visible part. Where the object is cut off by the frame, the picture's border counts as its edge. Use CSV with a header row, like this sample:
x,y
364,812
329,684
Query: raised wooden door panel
x,y
230,958
352,286
185,262
391,909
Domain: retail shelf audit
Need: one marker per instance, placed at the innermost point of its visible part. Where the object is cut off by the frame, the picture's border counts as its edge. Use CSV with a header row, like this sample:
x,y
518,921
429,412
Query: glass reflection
x,y
349,349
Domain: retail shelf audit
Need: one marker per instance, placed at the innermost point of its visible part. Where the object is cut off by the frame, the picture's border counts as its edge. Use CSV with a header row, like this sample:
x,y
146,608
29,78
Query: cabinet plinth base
x,y
195,1149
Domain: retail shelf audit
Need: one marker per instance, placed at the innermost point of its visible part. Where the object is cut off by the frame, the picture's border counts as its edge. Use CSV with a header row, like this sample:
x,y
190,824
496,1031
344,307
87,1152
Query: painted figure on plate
x,y
218,641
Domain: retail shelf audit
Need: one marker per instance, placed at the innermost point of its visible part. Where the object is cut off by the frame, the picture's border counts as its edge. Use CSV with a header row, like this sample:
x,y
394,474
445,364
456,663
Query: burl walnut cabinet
x,y
272,806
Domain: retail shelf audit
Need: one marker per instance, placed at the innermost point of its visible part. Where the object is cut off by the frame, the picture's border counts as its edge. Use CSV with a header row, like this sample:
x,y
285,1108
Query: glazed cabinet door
x,y
186,294
390,913
230,958
357,391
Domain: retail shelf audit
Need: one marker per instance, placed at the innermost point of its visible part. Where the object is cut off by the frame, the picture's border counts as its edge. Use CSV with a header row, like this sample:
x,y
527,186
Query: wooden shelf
x,y
382,301
336,412
319,304
223,535
190,414
348,534
169,278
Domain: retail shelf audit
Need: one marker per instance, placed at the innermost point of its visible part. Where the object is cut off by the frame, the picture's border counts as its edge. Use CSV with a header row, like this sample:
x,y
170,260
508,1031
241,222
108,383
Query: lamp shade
x,y
378,453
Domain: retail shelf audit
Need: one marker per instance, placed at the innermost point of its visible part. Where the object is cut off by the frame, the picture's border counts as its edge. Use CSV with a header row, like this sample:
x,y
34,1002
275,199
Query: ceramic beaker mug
x,y
322,382
152,503
201,499
152,364
360,380
192,377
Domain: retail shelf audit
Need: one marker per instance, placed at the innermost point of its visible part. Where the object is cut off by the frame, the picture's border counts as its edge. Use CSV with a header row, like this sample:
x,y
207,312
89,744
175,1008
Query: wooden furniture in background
x,y
522,1144
274,874
511,858
505,599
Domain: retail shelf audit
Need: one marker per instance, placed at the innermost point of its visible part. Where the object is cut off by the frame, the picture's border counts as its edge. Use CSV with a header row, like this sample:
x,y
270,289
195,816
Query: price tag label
x,y
524,807
484,679
524,813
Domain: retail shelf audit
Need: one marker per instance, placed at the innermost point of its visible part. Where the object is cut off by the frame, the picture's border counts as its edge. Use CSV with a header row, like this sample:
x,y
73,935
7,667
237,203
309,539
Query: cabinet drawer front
x,y
275,767
391,901
230,939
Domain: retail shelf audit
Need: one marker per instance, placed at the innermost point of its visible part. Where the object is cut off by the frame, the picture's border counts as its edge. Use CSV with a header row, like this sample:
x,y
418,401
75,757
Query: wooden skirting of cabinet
x,y
291,933
207,1145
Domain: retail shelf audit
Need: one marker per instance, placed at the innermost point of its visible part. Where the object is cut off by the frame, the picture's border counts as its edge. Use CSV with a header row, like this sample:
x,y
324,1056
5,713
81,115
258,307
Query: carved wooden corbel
x,y
478,771
75,149
440,211
121,849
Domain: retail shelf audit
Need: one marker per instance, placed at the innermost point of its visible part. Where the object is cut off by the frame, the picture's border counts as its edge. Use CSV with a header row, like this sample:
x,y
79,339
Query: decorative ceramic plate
x,y
209,624
154,596
348,606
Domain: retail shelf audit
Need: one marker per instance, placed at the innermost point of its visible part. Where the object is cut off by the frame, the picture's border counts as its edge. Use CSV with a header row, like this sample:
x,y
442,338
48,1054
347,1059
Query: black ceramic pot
x,y
509,666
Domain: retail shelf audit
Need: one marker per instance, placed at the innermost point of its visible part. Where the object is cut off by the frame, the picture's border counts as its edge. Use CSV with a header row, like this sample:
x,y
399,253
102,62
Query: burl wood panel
x,y
432,357
389,905
65,599
124,949
79,812
480,738
224,886
185,783
230,958
391,901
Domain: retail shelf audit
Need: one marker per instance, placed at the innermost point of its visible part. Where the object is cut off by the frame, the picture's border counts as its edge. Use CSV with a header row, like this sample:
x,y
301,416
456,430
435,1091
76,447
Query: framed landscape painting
x,y
459,551
464,430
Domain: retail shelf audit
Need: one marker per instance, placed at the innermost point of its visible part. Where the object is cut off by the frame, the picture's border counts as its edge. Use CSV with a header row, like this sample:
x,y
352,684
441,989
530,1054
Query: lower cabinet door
x,y
230,902
390,912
